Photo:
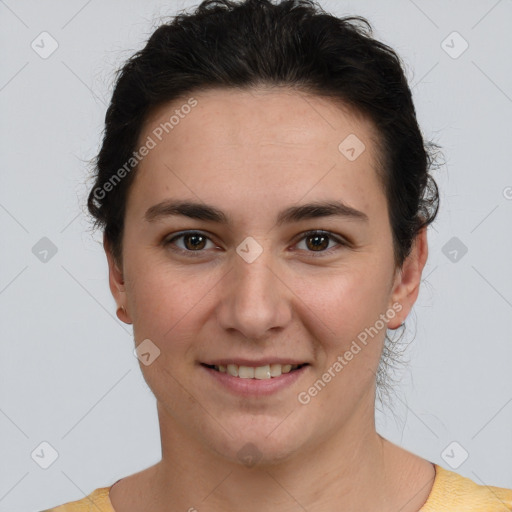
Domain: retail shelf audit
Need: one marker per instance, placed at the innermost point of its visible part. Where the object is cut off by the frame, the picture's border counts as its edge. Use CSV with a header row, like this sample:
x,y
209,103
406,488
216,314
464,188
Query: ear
x,y
116,283
407,281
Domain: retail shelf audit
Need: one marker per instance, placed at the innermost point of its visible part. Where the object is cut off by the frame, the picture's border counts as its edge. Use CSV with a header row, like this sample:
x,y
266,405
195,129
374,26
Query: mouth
x,y
254,382
265,372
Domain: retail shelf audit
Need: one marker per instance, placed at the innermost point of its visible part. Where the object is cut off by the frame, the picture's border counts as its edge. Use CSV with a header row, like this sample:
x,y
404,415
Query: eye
x,y
193,242
319,242
196,242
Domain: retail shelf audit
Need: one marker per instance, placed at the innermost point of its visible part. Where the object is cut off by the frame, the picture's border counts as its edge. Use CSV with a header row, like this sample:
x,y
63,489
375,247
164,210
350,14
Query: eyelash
x,y
314,254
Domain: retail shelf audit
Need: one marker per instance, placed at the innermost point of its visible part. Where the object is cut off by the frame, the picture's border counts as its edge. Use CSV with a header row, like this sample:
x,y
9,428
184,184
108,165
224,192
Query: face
x,y
253,275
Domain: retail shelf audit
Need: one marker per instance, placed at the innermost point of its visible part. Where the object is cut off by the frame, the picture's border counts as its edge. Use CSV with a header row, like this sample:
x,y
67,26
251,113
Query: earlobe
x,y
122,314
408,280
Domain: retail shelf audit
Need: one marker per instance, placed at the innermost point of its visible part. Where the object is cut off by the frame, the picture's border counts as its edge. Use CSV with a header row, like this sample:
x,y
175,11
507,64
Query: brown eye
x,y
192,242
318,242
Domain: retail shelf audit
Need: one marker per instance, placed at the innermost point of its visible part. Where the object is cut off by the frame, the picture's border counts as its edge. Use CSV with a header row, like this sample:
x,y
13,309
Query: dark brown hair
x,y
255,42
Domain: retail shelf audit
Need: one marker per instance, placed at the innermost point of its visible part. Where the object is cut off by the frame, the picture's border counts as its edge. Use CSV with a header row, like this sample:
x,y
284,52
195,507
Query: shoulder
x,y
97,501
452,492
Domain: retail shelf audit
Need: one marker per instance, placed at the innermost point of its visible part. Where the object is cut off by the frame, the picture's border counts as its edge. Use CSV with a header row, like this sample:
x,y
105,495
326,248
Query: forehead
x,y
259,115
262,144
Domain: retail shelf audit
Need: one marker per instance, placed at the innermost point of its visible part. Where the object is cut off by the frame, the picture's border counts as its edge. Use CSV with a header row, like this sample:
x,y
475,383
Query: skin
x,y
252,154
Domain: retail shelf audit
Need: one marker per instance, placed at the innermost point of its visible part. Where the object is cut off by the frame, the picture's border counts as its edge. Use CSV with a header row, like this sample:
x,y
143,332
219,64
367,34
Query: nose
x,y
255,298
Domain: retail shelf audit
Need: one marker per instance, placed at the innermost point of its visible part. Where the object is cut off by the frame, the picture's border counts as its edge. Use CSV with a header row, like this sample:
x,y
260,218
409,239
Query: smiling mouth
x,y
268,371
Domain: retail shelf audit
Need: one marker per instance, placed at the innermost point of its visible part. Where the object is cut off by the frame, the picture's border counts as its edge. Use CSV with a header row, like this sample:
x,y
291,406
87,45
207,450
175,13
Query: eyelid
x,y
341,241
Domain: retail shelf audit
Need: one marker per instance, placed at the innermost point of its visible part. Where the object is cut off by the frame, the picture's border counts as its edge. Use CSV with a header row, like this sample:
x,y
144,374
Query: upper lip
x,y
254,362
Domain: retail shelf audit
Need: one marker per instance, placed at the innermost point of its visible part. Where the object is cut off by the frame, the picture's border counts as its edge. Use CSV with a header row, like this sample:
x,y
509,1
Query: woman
x,y
264,191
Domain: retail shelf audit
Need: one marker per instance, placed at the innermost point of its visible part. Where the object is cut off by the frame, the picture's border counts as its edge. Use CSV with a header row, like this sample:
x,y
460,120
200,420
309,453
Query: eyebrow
x,y
210,213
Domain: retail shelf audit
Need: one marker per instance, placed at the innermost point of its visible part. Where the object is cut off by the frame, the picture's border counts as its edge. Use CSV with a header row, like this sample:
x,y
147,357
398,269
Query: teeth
x,y
261,372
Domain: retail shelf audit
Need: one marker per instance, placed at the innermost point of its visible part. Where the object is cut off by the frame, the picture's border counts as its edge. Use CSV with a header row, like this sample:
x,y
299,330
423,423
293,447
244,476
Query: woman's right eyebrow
x,y
210,213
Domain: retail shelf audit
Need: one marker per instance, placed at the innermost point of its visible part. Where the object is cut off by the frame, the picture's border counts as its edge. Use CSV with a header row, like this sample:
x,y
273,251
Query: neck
x,y
349,467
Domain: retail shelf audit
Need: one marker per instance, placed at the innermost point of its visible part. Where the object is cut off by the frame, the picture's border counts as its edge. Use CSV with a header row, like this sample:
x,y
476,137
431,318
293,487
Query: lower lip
x,y
255,387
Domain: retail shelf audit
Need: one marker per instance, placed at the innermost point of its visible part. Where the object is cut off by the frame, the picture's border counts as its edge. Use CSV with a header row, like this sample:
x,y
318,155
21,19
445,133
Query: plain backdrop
x,y
68,376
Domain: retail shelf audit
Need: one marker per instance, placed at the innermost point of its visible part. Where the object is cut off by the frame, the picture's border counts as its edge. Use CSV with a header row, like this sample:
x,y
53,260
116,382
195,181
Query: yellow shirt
x,y
450,493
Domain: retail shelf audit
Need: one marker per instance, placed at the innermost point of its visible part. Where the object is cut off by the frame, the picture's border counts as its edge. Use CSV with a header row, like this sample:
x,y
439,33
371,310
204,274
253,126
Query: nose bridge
x,y
252,264
254,279
255,300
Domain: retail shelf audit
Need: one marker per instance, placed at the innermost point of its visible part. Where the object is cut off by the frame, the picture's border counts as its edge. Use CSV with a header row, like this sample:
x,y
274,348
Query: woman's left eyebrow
x,y
201,211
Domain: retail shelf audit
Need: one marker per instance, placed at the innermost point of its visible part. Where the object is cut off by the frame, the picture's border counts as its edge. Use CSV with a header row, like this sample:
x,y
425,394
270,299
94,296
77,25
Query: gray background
x,y
68,374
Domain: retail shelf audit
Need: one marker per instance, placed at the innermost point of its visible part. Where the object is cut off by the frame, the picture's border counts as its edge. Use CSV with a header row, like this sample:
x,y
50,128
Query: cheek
x,y
166,302
342,313
343,316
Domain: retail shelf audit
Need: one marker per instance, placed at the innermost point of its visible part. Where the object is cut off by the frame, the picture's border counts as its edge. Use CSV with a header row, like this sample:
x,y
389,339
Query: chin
x,y
268,443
